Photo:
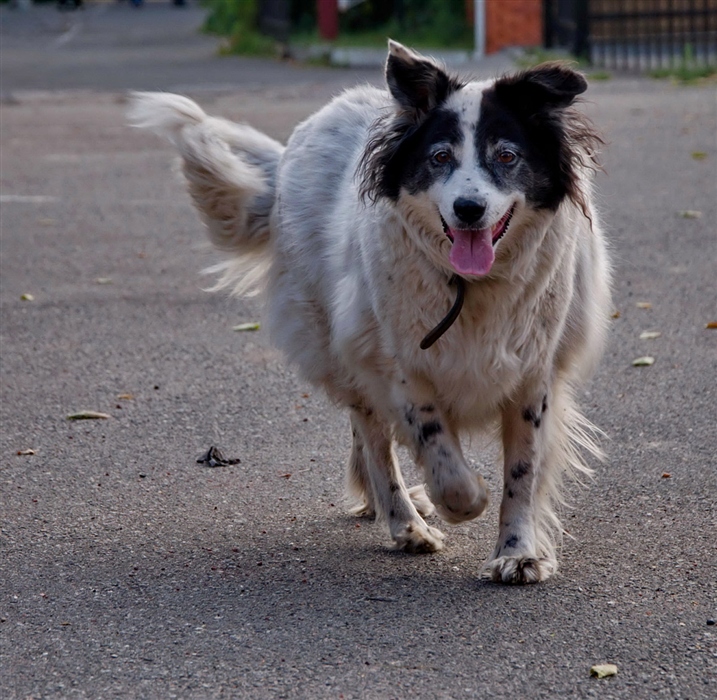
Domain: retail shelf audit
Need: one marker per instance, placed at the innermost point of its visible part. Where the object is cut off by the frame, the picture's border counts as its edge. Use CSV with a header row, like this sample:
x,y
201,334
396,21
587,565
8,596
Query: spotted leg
x,y
359,486
458,493
375,464
524,552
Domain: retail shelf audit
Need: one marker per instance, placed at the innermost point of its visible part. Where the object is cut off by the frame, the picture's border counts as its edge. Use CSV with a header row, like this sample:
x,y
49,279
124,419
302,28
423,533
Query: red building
x,y
512,23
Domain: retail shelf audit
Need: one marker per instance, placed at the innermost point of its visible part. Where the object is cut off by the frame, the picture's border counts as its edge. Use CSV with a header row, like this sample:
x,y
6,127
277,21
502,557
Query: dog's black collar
x,y
451,316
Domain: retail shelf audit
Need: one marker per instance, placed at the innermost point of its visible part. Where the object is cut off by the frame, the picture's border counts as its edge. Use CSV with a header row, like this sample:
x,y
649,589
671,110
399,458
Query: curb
x,y
360,57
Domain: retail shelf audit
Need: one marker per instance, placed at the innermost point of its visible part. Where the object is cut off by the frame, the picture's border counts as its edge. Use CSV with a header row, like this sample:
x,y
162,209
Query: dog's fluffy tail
x,y
231,173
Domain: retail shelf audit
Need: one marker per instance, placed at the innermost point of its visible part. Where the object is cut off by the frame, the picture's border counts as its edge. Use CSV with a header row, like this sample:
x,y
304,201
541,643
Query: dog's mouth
x,y
498,230
473,249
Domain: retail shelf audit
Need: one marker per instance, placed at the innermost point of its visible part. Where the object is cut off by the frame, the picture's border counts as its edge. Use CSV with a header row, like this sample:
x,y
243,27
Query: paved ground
x,y
127,570
117,47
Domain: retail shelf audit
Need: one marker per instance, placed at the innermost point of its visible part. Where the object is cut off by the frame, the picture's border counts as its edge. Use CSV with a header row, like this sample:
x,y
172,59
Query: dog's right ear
x,y
416,82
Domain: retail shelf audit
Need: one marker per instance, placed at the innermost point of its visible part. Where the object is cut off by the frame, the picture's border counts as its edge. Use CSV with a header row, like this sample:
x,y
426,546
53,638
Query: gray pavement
x,y
113,46
129,571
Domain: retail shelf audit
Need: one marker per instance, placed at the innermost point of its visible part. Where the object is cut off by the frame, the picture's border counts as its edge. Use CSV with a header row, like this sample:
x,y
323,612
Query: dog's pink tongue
x,y
472,251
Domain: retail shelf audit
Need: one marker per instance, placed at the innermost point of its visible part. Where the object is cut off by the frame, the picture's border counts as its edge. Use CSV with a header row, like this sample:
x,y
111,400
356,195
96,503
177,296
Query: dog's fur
x,y
356,231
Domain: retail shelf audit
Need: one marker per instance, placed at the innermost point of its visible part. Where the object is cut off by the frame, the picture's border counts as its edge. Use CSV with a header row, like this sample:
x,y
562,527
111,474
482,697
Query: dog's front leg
x,y
458,493
524,552
391,499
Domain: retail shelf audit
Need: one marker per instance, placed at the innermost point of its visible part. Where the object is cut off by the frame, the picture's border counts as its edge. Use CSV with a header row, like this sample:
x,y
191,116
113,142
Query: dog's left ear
x,y
416,82
548,86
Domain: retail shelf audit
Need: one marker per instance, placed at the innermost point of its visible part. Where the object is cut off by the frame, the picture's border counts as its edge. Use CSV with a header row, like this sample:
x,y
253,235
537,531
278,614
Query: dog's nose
x,y
468,210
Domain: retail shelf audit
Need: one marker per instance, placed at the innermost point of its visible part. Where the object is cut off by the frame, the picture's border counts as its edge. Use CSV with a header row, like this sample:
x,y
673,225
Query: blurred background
x,y
636,35
127,570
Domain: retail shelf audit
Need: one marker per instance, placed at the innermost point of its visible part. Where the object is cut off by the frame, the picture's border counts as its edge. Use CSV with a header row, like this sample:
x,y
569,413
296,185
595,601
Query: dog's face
x,y
464,161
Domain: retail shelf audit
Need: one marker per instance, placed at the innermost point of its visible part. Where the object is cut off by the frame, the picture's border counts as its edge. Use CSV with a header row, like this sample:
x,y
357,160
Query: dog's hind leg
x,y
358,484
359,487
391,498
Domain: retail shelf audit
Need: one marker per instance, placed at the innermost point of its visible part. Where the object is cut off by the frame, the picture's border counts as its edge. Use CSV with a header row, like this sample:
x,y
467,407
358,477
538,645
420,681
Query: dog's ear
x,y
416,82
545,87
542,98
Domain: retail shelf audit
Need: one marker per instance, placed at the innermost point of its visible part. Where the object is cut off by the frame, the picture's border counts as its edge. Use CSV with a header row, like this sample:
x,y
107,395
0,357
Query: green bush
x,y
237,20
421,23
224,15
687,70
430,23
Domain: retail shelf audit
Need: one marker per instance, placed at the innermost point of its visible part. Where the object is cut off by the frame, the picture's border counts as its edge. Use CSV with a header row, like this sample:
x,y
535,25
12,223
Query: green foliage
x,y
419,23
687,71
237,20
534,57
427,23
599,75
225,15
686,74
248,42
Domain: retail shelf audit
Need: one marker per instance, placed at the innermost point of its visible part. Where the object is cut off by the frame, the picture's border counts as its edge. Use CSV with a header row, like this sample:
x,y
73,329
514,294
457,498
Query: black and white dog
x,y
431,258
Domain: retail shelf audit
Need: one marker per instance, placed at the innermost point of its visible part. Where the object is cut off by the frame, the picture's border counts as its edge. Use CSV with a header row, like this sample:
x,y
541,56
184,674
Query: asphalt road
x,y
128,570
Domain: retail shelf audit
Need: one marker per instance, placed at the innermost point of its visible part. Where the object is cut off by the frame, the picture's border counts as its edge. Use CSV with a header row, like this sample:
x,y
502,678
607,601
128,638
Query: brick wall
x,y
513,23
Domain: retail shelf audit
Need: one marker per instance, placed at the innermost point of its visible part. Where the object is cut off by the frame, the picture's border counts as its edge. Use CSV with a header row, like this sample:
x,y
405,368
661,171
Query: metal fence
x,y
635,34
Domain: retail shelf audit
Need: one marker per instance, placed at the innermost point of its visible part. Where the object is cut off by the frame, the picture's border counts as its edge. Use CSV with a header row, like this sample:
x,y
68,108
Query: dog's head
x,y
464,160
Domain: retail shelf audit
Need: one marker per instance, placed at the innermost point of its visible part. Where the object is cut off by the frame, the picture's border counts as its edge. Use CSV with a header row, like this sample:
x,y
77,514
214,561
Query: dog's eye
x,y
507,157
442,157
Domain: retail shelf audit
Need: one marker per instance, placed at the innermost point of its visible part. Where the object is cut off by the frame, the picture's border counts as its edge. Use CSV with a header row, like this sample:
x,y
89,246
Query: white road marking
x,y
27,199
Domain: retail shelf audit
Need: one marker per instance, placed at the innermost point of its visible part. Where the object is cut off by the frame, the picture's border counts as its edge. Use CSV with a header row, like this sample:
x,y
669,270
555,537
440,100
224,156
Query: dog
x,y
431,257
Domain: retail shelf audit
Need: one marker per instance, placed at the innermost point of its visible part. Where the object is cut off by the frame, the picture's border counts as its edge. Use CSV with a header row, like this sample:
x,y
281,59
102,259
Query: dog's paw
x,y
466,501
363,509
519,569
420,500
418,538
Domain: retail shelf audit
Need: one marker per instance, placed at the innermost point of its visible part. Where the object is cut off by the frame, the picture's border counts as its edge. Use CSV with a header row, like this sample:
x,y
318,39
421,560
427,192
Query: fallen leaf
x,y
711,324
666,475
27,297
286,476
616,314
650,335
88,415
47,222
690,214
699,155
126,397
26,453
643,305
603,670
103,280
246,327
643,361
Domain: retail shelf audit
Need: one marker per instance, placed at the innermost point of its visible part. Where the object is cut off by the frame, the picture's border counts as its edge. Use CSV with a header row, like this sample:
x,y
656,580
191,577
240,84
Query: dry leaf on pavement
x,y
603,670
88,415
